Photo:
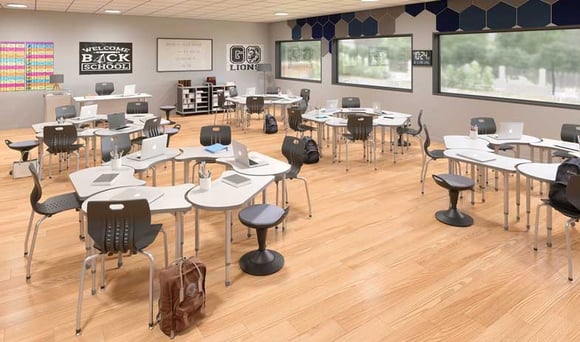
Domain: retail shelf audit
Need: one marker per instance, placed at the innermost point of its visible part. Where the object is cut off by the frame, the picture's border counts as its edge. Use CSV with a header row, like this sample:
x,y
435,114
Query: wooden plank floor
x,y
371,264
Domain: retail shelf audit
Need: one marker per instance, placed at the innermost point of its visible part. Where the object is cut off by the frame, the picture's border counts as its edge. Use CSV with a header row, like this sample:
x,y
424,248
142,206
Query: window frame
x,y
437,70
335,63
278,65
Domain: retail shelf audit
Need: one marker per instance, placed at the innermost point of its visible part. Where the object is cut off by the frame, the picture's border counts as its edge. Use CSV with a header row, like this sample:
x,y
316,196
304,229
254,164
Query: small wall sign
x,y
422,57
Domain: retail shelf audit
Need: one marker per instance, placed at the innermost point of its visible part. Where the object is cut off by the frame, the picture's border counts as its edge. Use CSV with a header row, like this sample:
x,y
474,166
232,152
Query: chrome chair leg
x,y
32,244
81,288
307,195
569,250
151,277
28,232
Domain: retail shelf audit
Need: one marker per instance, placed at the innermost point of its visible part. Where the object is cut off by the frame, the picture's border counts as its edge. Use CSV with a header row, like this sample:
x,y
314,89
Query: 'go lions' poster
x,y
243,57
105,58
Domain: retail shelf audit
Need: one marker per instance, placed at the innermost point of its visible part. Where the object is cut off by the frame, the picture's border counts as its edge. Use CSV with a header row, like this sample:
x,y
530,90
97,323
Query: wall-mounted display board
x,y
26,65
181,54
105,58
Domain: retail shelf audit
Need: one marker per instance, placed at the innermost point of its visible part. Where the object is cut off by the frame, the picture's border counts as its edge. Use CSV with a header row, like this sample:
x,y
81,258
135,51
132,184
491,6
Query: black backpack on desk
x,y
270,124
557,194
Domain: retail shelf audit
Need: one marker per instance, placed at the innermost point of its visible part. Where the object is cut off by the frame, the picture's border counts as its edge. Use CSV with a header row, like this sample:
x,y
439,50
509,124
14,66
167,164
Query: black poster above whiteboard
x,y
182,54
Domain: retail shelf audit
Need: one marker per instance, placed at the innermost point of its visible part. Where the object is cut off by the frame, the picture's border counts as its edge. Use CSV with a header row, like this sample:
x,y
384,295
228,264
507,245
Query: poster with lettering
x,y
243,57
105,58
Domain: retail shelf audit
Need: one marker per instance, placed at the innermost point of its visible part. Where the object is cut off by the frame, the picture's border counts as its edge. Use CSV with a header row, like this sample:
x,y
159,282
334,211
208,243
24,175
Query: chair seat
x,y
350,137
436,154
502,147
454,182
59,203
562,154
171,131
22,146
261,216
303,128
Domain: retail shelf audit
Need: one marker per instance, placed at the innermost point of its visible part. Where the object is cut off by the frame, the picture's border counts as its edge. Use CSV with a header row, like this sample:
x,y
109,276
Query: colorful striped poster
x,y
26,65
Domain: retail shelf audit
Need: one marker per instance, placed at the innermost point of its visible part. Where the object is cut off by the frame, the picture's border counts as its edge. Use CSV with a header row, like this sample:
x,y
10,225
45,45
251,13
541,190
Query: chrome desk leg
x,y
505,199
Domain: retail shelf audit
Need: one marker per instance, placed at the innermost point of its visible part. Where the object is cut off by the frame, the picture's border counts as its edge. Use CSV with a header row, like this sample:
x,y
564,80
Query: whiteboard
x,y
181,54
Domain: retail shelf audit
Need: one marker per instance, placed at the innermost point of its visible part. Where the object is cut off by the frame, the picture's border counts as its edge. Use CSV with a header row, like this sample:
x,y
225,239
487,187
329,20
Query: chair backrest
x,y
427,142
210,135
152,127
116,226
221,99
104,88
108,143
272,90
65,112
305,94
360,126
573,191
36,192
350,102
255,104
484,125
294,117
293,149
419,122
59,139
233,91
302,105
137,108
570,132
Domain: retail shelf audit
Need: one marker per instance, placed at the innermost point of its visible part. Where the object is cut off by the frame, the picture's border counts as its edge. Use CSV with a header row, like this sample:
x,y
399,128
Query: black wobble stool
x,y
167,110
23,147
261,217
455,184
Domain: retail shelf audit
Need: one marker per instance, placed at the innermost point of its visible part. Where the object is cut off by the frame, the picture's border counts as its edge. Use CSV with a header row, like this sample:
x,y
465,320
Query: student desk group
x,y
179,199
458,147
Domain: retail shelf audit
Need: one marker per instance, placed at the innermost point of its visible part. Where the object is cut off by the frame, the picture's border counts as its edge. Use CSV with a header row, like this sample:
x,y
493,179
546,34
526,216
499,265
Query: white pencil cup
x,y
116,164
205,183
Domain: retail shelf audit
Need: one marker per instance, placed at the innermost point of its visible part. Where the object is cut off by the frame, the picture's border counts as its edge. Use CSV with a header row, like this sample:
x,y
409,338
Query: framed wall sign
x,y
183,54
105,58
422,57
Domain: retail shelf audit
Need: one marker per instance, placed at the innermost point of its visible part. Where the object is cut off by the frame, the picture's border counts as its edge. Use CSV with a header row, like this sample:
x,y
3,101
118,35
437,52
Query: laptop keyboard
x,y
252,162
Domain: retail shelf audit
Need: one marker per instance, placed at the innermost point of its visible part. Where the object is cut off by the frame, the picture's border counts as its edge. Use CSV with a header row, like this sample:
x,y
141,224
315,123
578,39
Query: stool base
x,y
263,262
454,217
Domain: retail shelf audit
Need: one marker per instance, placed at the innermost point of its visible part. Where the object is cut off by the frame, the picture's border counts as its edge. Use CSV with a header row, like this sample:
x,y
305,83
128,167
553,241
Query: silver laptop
x,y
331,105
88,112
150,148
479,156
510,130
150,194
117,121
242,158
129,90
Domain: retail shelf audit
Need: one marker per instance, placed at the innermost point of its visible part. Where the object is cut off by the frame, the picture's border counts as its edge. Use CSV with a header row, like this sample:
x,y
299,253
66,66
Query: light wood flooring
x,y
371,264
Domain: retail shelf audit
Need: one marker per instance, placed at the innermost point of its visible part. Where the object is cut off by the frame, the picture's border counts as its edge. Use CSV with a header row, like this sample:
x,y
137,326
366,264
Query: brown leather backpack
x,y
182,295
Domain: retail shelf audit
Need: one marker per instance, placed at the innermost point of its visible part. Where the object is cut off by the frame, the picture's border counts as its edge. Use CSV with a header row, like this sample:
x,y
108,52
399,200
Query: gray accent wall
x,y
444,114
23,108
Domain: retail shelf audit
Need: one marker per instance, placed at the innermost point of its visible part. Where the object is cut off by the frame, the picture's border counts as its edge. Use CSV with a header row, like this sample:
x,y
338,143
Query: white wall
x,y
21,109
443,114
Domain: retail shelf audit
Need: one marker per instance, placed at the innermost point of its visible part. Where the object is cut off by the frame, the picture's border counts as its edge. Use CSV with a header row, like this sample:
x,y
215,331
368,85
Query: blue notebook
x,y
216,148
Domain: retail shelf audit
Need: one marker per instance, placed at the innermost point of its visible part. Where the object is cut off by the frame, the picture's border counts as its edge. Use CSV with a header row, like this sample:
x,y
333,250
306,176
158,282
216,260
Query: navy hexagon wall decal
x,y
328,31
355,28
348,16
317,31
472,19
415,9
436,7
370,27
334,18
447,21
566,12
534,13
301,22
501,16
311,21
322,19
296,32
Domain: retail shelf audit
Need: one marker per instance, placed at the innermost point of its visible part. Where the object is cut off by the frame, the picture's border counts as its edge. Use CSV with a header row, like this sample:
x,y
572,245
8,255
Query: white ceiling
x,y
230,10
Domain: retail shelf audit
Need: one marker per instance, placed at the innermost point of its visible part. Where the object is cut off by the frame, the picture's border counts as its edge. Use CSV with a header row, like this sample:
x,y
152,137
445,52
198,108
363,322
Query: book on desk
x,y
105,179
236,180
